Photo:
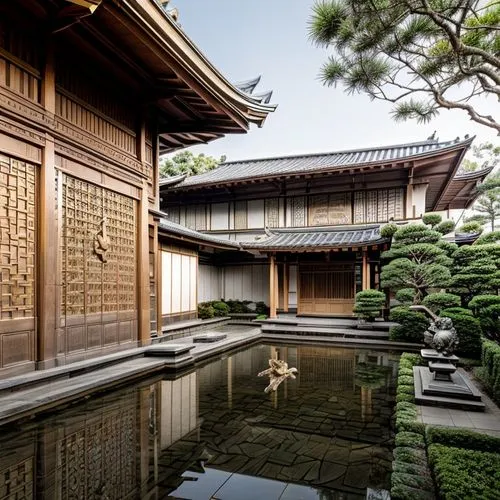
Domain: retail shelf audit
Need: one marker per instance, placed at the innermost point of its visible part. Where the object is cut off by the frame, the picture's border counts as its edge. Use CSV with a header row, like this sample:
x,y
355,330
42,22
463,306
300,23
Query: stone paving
x,y
487,422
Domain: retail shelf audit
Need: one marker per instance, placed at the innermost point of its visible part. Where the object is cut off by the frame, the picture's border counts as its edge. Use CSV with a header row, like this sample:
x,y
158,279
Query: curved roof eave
x,y
189,57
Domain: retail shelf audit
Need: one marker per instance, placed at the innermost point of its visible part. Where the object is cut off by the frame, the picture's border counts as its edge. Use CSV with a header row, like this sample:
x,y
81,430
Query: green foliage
x,y
480,156
371,375
261,316
490,372
220,308
388,230
416,260
480,302
411,327
488,238
368,304
468,331
405,296
445,227
187,163
487,309
238,306
261,308
462,473
205,311
432,219
472,227
456,310
411,54
438,301
462,438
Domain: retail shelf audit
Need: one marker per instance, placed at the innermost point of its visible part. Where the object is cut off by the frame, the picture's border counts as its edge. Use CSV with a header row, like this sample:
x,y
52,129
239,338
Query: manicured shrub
x,y
406,468
488,238
410,455
436,302
463,474
401,492
413,481
205,311
261,316
445,227
411,439
238,306
405,396
487,309
405,379
388,230
410,360
411,327
368,304
261,308
431,219
403,370
469,333
480,302
457,310
405,296
471,227
462,438
220,308
490,371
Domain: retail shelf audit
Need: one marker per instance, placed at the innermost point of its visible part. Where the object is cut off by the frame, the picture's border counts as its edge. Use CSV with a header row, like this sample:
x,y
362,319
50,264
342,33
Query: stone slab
x,y
168,350
446,398
428,354
209,337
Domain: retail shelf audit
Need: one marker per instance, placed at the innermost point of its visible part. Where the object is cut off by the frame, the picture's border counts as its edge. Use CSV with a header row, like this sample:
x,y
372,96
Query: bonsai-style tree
x,y
368,304
419,259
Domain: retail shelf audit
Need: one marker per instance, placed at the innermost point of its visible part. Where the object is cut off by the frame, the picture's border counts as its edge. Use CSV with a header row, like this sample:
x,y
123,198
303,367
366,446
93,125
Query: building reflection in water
x,y
213,430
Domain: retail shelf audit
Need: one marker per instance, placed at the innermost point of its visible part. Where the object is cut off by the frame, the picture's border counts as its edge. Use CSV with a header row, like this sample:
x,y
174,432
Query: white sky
x,y
269,37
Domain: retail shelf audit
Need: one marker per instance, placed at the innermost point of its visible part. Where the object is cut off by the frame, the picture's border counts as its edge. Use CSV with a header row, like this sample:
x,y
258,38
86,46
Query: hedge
x,y
411,478
436,302
490,370
468,331
462,438
368,304
465,474
411,327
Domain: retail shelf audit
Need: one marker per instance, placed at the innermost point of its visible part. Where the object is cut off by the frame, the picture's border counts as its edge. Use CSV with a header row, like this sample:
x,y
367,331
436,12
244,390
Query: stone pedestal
x,y
439,384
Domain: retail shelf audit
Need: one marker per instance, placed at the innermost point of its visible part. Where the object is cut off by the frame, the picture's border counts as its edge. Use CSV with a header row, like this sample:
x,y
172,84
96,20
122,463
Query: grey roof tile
x,y
322,238
269,167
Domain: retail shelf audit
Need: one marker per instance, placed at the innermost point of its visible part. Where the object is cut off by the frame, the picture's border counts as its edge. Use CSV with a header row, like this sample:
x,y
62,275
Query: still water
x,y
212,433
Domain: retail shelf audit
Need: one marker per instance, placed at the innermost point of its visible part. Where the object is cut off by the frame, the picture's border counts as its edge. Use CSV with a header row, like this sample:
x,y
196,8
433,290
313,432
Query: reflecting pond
x,y
212,432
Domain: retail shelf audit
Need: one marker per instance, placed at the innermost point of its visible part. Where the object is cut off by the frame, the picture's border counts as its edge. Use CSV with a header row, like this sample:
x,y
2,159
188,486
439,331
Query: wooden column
x,y
365,272
144,334
272,286
286,277
47,237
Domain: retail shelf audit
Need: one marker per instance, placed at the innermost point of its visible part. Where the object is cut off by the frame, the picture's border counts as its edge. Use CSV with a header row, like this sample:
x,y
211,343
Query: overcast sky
x,y
244,39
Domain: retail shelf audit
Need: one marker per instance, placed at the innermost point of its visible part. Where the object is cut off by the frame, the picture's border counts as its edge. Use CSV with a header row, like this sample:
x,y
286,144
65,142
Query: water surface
x,y
212,432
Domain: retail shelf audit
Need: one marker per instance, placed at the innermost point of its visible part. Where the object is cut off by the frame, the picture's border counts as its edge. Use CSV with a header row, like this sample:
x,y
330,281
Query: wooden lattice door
x,y
326,288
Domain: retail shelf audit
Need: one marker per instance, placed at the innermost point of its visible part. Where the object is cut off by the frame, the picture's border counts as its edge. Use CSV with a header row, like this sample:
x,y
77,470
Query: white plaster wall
x,y
246,282
255,214
179,283
209,283
220,216
419,194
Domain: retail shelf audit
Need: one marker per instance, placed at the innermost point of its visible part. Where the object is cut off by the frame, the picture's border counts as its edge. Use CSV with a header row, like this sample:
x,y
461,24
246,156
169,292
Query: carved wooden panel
x,y
91,284
240,215
17,238
98,460
297,211
17,480
378,205
330,209
272,212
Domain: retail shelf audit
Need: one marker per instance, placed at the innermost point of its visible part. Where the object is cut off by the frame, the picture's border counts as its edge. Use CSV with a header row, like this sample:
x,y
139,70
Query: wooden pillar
x,y
286,277
144,334
47,237
272,286
365,272
410,208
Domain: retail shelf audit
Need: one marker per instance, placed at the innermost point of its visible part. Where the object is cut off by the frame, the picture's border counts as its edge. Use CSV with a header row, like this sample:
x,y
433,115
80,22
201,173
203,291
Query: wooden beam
x,y
365,272
286,278
143,299
272,286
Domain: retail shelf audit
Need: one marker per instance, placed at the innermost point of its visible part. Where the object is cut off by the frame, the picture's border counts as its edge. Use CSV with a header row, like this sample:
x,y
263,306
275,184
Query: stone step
x,y
327,332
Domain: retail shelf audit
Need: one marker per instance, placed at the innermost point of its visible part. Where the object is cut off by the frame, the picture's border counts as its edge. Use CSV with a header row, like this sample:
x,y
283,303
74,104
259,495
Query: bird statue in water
x,y
278,371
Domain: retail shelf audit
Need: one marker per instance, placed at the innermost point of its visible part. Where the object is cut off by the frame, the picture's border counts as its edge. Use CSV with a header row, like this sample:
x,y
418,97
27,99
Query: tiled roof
x,y
307,163
178,230
321,238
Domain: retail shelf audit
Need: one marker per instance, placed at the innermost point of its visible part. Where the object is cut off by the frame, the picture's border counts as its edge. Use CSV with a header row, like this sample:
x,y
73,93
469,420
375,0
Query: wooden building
x,y
91,92
309,224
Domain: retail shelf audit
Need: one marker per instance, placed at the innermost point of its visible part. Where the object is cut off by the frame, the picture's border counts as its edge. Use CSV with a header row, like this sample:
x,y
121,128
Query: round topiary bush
x,y
368,304
436,302
469,332
411,327
431,219
205,311
471,228
221,309
445,227
388,230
